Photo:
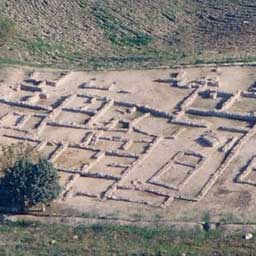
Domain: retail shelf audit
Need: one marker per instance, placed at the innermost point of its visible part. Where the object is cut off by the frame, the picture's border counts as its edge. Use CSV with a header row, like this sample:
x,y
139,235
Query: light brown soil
x,y
132,149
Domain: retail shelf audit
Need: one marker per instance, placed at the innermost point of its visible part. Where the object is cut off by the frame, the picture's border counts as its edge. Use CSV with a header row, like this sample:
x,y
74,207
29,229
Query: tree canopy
x,y
27,184
10,154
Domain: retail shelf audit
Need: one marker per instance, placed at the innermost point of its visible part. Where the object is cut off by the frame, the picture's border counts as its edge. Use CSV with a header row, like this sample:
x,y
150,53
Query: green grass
x,y
129,34
119,33
83,3
7,30
206,217
40,46
82,62
229,218
28,238
172,11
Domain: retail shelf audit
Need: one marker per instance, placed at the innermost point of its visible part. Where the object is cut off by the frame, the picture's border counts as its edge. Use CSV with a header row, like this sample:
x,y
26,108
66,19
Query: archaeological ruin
x,y
152,139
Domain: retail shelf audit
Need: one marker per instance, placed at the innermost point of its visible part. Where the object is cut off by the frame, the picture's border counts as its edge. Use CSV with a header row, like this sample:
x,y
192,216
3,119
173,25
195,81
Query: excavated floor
x,y
175,143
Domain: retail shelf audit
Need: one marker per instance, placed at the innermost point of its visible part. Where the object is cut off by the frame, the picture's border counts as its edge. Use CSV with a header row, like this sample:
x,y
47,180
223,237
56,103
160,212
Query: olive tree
x,y
27,184
10,154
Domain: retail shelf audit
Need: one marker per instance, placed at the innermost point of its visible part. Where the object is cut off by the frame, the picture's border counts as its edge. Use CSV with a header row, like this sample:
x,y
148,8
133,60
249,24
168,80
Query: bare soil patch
x,y
140,142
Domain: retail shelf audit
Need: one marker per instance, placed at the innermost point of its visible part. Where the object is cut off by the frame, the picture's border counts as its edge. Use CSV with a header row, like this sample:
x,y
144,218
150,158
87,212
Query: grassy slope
x,y
23,238
121,33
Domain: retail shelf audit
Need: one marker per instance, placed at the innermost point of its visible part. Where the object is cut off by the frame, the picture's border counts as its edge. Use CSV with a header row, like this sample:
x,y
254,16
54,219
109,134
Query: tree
x,y
7,30
10,154
27,184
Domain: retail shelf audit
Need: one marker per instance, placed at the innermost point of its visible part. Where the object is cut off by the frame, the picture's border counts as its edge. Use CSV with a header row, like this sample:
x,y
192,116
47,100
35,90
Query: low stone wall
x,y
184,122
88,85
24,104
233,153
228,145
87,194
250,166
233,129
30,88
62,78
133,200
140,118
120,153
58,152
231,100
67,125
110,192
66,193
222,114
79,110
23,138
100,176
172,162
139,107
145,109
185,102
249,94
42,125
100,113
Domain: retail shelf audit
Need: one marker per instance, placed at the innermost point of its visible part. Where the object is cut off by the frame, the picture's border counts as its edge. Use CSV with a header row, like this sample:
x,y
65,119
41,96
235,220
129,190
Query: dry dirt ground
x,y
169,144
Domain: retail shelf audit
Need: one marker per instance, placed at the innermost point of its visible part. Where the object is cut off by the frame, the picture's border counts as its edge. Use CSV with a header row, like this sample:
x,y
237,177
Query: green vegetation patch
x,y
28,238
172,11
7,30
41,46
26,180
83,3
119,33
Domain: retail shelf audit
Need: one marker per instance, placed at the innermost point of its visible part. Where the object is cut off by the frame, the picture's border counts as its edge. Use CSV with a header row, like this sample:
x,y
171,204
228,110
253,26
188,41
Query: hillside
x,y
96,33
